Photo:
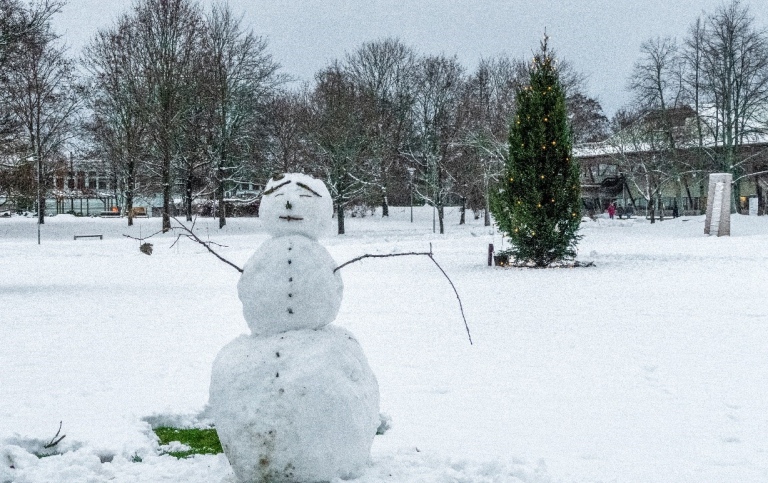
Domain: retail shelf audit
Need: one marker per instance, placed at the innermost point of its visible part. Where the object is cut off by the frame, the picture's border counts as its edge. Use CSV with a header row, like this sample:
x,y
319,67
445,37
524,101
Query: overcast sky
x,y
601,38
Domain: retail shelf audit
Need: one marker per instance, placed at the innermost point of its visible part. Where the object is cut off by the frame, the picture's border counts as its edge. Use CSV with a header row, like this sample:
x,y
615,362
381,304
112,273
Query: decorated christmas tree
x,y
537,204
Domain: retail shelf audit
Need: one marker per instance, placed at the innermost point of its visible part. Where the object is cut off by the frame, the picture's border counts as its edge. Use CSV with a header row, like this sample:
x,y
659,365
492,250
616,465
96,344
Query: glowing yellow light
x,y
542,176
554,143
546,119
538,205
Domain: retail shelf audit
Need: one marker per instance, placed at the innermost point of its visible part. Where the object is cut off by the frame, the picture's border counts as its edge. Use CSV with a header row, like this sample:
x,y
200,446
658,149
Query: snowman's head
x,y
296,204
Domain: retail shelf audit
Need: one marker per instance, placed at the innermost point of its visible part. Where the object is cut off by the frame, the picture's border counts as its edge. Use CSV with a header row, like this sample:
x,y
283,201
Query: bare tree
x,y
286,125
692,56
385,71
588,122
43,98
657,81
168,39
17,23
242,78
658,85
20,23
489,98
340,113
117,100
735,60
640,148
439,84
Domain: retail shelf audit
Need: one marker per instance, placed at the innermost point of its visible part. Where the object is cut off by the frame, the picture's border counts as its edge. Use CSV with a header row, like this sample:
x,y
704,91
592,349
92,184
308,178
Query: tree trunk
x,y
220,196
661,208
760,199
384,193
340,218
736,188
40,191
222,213
688,192
129,191
440,213
166,180
463,217
188,197
384,206
487,215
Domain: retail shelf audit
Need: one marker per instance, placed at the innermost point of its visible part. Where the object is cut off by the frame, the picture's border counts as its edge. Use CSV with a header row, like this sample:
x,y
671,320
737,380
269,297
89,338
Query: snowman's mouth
x,y
291,218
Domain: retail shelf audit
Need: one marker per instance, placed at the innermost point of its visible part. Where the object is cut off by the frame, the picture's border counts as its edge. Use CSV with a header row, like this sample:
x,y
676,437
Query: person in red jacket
x,y
611,210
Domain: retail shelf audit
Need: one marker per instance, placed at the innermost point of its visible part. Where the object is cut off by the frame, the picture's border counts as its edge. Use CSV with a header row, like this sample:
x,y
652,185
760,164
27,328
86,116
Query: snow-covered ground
x,y
652,366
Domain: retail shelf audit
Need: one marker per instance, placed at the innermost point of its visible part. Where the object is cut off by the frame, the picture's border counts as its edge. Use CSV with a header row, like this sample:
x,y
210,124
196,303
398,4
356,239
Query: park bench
x,y
139,212
100,237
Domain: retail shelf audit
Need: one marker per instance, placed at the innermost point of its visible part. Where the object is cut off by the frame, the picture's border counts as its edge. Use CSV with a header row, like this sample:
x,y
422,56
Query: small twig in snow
x,y
56,438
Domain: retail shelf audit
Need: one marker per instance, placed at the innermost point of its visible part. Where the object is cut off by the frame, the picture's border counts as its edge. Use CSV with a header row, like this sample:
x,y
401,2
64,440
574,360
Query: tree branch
x,y
141,239
431,257
191,235
368,255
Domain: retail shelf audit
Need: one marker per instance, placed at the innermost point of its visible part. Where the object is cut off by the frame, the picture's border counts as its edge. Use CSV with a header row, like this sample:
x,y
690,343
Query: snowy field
x,y
650,367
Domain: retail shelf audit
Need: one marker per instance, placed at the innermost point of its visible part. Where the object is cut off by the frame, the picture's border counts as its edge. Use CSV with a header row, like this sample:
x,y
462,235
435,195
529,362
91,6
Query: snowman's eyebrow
x,y
275,188
299,183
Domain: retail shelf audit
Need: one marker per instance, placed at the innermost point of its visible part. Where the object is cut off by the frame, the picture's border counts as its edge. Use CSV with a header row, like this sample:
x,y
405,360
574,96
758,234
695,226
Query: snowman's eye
x,y
275,188
302,185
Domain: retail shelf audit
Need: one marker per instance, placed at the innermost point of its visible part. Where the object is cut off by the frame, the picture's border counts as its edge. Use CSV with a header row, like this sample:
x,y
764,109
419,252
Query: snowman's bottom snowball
x,y
300,406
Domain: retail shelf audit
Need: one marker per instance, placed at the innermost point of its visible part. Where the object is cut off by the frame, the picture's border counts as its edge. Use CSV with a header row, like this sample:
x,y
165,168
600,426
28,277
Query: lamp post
x,y
410,188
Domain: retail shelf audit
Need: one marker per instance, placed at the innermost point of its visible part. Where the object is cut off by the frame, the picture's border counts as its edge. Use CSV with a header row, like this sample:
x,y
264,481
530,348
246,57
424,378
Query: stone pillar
x,y
718,220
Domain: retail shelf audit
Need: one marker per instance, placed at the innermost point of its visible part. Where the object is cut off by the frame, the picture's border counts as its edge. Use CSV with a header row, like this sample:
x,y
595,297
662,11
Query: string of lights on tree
x,y
537,204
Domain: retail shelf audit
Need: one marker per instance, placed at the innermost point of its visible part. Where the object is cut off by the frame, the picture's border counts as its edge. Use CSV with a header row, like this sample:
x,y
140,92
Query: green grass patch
x,y
200,441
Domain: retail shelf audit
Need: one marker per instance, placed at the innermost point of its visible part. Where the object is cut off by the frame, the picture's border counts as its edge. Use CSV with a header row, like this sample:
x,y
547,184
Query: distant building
x,y
609,169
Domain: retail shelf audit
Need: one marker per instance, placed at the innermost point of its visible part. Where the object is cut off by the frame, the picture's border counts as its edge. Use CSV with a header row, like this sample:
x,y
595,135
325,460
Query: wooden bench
x,y
139,212
100,237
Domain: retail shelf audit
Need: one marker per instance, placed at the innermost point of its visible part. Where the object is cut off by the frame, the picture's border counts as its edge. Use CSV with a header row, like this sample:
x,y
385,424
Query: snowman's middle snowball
x,y
289,284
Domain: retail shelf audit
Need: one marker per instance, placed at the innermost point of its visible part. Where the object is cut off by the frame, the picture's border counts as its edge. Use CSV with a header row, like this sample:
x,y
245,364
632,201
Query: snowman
x,y
294,401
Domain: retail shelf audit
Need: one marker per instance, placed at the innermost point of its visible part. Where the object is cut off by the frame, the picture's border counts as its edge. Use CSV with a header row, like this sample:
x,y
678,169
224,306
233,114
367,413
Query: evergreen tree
x,y
537,205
